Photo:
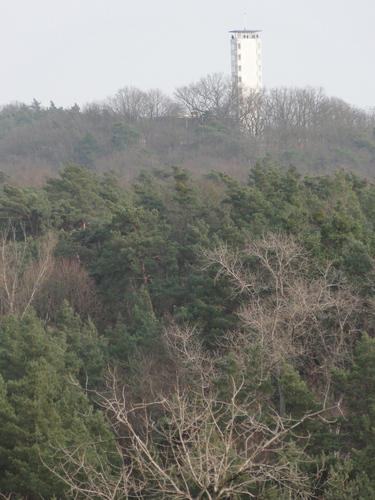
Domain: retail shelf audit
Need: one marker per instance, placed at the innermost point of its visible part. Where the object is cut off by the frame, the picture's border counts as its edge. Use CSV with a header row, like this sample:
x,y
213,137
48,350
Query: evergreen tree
x,y
42,407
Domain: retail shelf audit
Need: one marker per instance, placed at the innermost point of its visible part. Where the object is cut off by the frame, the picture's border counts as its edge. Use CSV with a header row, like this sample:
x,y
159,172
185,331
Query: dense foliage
x,y
199,319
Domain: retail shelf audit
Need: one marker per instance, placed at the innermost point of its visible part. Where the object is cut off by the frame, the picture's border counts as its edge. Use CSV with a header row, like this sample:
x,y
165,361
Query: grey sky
x,y
80,51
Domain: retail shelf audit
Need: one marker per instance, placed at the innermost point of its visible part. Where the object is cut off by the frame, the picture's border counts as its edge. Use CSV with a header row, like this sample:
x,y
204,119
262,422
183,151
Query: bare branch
x,y
291,307
21,276
199,447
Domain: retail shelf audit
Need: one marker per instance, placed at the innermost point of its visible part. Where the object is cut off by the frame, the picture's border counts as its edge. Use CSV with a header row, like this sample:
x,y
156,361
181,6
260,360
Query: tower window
x,y
239,68
239,57
239,45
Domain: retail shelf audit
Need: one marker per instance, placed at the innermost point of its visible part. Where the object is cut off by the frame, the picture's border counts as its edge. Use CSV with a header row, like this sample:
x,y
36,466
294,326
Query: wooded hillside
x,y
187,297
206,125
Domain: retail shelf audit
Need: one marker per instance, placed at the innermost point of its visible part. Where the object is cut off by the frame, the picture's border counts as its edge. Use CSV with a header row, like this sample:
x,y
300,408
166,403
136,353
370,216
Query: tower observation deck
x,y
246,58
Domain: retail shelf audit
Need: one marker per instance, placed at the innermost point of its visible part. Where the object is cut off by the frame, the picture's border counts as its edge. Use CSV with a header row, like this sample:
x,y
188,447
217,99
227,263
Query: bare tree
x,y
68,280
21,276
188,441
210,96
159,105
130,103
297,107
190,445
293,309
251,111
133,104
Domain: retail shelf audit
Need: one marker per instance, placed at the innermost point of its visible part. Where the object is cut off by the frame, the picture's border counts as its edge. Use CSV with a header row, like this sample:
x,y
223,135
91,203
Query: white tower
x,y
246,57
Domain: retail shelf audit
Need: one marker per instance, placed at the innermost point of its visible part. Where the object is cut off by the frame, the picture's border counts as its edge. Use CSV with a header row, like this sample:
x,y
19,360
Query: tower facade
x,y
246,58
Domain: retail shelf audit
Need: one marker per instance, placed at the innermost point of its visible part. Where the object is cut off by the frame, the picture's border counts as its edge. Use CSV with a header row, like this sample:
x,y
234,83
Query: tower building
x,y
246,58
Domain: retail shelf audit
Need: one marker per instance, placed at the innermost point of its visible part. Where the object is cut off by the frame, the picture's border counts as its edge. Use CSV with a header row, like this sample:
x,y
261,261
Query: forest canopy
x,y
188,336
187,296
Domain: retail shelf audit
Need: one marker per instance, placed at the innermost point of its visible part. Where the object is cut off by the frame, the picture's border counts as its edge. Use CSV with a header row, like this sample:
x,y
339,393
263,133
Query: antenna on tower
x,y
245,20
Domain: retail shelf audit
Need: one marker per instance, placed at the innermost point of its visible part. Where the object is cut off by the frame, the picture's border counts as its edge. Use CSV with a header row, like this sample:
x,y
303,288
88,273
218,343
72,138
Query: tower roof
x,y
245,31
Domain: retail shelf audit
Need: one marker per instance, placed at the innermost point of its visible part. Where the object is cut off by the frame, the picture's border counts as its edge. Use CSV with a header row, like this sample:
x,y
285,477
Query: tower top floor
x,y
245,33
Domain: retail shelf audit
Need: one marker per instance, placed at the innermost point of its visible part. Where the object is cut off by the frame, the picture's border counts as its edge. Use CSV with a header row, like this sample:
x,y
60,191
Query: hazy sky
x,y
80,51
